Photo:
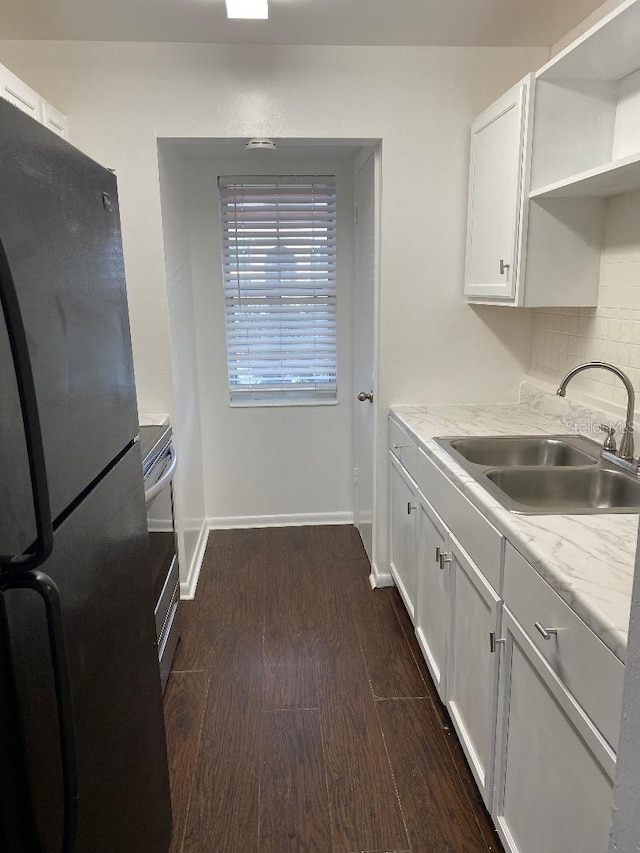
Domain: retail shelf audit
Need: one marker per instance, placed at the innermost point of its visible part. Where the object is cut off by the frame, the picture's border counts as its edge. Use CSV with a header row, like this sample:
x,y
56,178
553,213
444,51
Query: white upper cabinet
x,y
495,195
13,89
563,141
587,122
55,120
523,251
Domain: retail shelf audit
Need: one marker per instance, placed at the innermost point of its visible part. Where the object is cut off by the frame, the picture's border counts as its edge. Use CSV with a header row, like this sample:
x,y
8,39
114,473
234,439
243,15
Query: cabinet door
x,y
553,773
54,120
433,592
12,89
495,197
472,677
403,511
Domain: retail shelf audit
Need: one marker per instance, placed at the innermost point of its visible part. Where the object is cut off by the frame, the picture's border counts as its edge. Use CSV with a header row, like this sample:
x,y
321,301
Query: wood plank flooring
x,y
300,715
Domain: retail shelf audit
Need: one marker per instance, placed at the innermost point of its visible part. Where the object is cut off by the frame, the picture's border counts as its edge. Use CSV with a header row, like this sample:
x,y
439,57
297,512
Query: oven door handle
x,y
167,475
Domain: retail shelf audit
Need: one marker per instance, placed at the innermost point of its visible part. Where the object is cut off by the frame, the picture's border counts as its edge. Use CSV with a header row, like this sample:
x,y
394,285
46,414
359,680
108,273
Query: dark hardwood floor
x,y
300,714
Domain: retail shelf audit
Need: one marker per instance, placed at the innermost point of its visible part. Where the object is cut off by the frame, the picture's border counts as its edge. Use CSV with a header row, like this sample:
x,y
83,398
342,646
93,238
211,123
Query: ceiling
x,y
331,22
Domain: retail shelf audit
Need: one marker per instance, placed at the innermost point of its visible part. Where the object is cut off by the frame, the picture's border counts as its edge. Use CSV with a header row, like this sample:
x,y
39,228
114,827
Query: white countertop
x,y
159,419
589,560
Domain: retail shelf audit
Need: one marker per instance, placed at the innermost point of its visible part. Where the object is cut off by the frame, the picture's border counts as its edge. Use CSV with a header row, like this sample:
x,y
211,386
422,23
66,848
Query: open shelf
x,y
614,178
610,50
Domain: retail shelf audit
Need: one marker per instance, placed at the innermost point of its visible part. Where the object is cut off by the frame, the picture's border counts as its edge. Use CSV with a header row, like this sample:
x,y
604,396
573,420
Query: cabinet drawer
x,y
404,447
583,663
476,535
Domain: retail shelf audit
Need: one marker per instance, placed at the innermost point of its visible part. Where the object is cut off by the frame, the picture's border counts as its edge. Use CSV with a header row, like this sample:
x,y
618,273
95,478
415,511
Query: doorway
x,y
365,342
269,464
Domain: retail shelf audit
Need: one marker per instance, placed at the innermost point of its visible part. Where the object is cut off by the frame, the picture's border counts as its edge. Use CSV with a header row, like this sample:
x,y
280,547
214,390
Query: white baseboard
x,y
379,579
188,587
295,520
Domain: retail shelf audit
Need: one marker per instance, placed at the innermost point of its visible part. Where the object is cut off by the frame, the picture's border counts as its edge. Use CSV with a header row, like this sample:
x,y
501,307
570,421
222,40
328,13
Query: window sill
x,y
271,404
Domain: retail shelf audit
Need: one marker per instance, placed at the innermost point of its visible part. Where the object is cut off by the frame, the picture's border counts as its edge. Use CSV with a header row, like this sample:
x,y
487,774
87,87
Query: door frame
x,y
376,578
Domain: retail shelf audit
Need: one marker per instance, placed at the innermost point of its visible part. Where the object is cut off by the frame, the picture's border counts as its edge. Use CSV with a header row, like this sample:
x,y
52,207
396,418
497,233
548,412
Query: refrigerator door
x,y
100,565
59,226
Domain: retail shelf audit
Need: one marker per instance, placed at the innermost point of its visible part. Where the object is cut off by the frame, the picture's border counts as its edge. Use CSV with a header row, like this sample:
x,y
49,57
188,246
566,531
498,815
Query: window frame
x,y
323,295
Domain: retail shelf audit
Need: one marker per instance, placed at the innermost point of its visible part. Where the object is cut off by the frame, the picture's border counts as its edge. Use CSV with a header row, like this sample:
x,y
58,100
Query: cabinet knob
x,y
495,641
546,633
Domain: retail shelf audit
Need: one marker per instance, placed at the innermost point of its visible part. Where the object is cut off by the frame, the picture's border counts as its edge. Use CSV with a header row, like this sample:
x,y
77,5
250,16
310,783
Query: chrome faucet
x,y
626,450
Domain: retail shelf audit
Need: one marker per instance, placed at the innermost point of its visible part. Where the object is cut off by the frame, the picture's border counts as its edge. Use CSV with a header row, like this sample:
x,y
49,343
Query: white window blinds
x,y
279,268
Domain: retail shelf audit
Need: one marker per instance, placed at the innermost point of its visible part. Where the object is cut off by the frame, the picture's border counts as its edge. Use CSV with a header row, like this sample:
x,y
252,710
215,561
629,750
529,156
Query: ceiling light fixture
x,y
257,9
260,143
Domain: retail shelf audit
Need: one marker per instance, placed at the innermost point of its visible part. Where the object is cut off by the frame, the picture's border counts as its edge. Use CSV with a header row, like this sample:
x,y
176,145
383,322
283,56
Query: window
x,y
279,270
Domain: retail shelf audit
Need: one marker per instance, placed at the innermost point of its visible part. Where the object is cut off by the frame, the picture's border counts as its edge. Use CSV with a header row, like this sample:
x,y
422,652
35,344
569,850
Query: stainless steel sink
x,y
568,490
507,451
546,475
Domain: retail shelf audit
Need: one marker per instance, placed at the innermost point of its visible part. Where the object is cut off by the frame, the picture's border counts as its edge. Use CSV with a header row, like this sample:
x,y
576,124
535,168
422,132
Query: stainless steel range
x,y
158,465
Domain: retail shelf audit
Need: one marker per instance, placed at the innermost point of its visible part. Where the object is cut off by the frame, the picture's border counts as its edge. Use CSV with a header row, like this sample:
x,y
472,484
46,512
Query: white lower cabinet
x,y
456,610
403,518
432,606
472,674
553,770
533,694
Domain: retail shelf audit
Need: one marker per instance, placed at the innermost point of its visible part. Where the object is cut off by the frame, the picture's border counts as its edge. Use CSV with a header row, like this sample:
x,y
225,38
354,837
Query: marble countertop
x,y
589,560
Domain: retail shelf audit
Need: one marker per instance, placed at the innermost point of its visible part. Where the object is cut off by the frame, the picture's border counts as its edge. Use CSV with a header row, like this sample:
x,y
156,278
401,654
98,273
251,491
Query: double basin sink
x,y
550,475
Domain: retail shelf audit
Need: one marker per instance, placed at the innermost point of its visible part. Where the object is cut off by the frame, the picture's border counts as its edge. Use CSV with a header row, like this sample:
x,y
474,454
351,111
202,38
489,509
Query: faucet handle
x,y
610,441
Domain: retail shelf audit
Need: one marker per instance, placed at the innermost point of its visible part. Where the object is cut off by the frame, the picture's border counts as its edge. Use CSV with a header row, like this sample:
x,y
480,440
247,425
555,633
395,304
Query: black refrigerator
x,y
83,763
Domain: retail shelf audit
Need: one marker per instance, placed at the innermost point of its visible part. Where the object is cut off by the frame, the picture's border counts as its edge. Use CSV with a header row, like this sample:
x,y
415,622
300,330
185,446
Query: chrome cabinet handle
x,y
495,641
410,508
398,446
444,558
362,396
437,553
545,632
503,267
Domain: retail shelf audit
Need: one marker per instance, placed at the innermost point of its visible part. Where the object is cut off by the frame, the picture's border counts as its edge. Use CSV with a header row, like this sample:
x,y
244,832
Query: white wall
x,y
565,337
188,485
419,101
588,22
286,463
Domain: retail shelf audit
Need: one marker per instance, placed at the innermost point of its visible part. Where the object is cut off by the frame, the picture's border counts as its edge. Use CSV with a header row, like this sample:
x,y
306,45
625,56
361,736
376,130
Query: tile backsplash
x,y
564,337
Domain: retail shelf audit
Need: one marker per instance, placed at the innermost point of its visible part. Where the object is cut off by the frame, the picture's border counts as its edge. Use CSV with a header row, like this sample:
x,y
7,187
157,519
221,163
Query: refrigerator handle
x,y
46,588
32,429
